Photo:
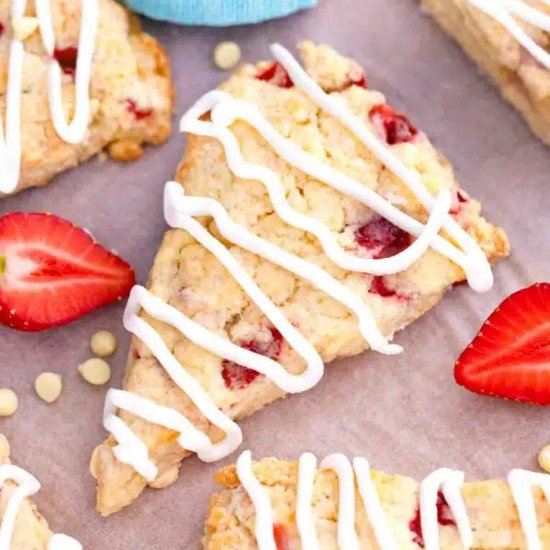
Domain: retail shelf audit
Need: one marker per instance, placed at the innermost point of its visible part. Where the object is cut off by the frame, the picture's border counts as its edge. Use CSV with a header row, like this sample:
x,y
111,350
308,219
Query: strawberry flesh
x,y
392,126
66,57
382,238
444,517
238,377
510,356
139,114
276,74
280,534
378,286
52,272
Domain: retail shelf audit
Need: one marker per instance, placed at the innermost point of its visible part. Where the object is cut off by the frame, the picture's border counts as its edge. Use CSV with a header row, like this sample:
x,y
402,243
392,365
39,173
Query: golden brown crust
x,y
521,79
31,529
131,91
192,280
491,510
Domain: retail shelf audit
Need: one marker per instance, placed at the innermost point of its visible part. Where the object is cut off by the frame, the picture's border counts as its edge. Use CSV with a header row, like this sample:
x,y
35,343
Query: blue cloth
x,y
217,12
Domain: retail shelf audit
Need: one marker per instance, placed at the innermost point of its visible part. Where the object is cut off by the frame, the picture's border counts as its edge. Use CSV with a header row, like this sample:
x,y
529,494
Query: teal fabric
x,y
217,12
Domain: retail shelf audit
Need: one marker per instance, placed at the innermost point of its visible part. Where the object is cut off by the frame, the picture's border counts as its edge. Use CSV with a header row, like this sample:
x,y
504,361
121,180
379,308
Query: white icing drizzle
x,y
346,534
260,498
28,485
472,259
180,212
521,483
504,11
224,110
10,138
372,504
448,481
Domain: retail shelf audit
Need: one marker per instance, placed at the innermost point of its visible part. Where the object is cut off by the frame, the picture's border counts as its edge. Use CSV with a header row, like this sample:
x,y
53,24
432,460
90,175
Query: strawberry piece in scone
x,y
130,76
30,529
491,511
52,272
192,280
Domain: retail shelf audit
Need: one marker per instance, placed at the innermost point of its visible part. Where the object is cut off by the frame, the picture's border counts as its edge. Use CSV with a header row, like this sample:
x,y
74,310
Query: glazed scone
x,y
131,95
490,507
30,529
522,79
193,281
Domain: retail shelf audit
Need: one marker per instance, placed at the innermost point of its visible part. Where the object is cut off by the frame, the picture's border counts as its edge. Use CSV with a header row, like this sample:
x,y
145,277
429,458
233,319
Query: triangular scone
x,y
193,281
30,530
130,89
521,77
491,510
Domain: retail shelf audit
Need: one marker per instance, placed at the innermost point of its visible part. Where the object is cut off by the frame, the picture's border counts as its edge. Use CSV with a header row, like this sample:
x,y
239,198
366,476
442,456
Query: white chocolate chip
x,y
95,371
227,55
23,27
8,402
103,343
544,458
48,386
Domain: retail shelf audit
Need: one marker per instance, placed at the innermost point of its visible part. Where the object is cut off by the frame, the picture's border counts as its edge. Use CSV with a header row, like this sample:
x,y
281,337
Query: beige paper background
x,y
406,414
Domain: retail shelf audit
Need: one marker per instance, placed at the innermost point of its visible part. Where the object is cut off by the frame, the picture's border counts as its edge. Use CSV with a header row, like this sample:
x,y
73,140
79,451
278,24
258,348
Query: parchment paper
x,y
406,413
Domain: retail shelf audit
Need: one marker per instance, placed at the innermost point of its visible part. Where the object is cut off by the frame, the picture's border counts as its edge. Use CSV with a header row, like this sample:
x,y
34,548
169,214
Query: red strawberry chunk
x,y
52,272
66,57
280,534
392,126
276,74
382,238
2,28
238,377
357,76
510,356
378,286
139,114
444,517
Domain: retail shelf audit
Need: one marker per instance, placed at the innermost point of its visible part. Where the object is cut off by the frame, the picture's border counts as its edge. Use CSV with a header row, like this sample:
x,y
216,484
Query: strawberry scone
x,y
311,222
278,505
77,77
509,40
22,527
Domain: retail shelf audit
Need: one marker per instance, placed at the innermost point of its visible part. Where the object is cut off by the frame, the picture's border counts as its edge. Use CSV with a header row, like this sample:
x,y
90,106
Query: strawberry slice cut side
x,y
52,272
510,356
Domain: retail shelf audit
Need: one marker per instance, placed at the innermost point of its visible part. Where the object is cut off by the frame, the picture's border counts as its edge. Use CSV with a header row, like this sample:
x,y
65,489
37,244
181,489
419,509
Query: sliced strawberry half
x,y
510,356
52,272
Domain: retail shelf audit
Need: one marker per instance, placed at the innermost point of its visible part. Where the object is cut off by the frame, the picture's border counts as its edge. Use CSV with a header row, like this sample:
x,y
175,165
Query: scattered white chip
x,y
103,343
95,371
8,402
48,386
227,55
544,458
23,27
